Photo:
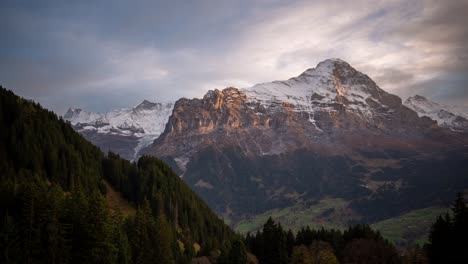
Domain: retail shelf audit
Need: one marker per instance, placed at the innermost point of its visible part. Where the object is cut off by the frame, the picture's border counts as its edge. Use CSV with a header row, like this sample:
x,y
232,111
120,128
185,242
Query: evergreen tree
x,y
9,238
163,238
439,240
460,230
448,236
53,239
141,229
102,250
290,240
274,244
121,239
237,253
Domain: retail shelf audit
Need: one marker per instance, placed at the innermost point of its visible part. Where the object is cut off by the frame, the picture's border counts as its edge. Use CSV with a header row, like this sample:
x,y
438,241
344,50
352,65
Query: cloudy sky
x,y
117,53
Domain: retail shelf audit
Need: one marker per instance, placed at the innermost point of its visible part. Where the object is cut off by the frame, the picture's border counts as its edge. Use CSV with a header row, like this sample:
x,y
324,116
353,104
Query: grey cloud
x,y
442,33
393,76
450,91
114,54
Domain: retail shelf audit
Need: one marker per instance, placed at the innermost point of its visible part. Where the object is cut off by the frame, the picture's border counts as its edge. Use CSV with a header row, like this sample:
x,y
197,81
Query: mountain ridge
x,y
445,116
129,129
331,131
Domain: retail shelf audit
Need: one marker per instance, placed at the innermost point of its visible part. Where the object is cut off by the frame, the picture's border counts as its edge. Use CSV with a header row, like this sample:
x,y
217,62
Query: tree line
x,y
357,244
447,243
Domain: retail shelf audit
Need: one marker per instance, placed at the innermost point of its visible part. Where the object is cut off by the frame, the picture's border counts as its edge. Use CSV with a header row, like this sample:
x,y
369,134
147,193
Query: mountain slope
x,y
125,131
443,115
330,132
53,208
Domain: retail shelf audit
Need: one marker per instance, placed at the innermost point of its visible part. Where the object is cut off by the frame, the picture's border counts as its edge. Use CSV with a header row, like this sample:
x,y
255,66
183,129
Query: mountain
x,y
330,132
443,115
61,199
125,131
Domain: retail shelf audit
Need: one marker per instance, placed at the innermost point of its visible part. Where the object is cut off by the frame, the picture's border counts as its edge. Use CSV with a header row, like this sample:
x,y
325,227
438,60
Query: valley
x,y
329,147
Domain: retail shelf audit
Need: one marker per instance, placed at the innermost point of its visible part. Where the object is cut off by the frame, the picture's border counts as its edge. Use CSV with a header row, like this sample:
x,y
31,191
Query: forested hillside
x,y
53,207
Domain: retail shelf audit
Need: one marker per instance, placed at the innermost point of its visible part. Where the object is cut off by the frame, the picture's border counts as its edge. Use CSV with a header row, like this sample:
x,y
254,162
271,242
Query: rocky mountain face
x,y
124,131
330,132
443,115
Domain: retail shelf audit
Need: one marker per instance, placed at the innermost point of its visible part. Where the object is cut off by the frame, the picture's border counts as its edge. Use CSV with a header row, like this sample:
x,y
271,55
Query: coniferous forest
x,y
53,209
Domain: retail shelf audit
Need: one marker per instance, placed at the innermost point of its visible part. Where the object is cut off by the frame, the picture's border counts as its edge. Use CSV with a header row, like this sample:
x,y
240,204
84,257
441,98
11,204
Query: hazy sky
x,y
117,53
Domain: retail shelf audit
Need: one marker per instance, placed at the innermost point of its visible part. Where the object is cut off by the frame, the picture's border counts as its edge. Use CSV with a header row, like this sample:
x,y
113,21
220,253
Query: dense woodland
x,y
357,244
53,210
53,207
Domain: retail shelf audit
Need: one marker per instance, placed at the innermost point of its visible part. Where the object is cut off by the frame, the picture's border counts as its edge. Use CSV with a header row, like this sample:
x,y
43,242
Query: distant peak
x,y
72,111
146,104
417,97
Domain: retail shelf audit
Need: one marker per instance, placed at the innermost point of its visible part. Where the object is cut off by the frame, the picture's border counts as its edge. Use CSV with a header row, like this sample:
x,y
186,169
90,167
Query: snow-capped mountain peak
x,y
146,105
76,115
332,81
140,124
444,115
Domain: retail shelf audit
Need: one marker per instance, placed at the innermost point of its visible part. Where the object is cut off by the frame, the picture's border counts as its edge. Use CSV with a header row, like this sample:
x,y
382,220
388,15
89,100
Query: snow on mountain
x,y
145,122
76,116
445,116
332,81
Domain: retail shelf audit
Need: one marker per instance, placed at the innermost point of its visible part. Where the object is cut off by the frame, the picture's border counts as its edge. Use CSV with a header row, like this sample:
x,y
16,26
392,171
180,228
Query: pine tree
x,y
30,232
120,239
448,236
163,239
140,231
9,239
460,230
289,242
102,249
274,242
54,232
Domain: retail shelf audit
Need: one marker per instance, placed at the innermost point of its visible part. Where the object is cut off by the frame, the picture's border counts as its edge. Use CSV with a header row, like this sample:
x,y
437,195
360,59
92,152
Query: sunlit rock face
x,y
331,131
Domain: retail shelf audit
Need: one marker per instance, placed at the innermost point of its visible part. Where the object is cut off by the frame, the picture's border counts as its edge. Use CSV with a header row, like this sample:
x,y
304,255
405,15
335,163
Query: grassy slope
x,y
117,202
407,229
327,213
412,227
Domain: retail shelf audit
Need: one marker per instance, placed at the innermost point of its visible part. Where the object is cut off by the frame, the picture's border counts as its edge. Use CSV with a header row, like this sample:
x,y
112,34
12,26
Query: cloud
x,y
101,56
403,46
